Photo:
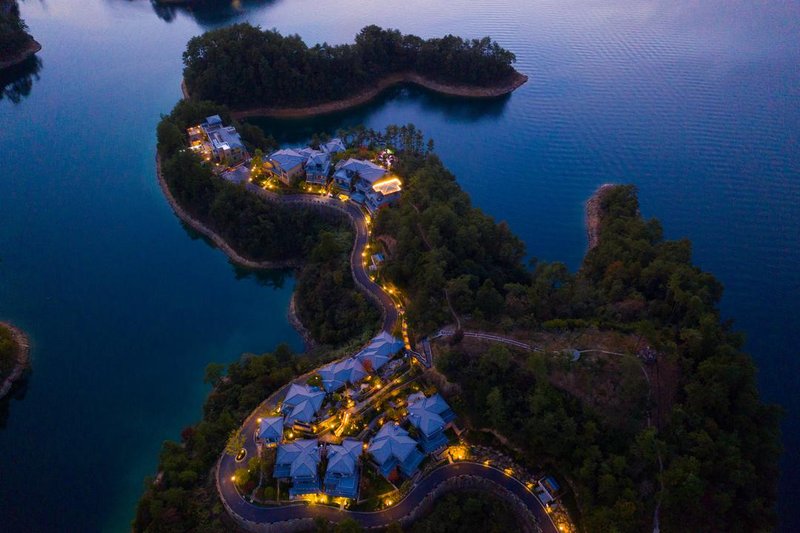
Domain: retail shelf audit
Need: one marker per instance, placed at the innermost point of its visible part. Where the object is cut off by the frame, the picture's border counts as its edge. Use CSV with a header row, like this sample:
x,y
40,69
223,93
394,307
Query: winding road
x,y
244,512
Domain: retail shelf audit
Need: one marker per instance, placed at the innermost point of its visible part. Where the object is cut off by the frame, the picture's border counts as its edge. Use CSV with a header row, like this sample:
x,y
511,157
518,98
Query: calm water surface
x,y
695,102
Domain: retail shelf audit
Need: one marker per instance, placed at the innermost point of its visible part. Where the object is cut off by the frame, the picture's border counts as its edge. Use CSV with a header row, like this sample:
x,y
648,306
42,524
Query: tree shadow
x,y
454,108
18,391
273,278
209,13
16,82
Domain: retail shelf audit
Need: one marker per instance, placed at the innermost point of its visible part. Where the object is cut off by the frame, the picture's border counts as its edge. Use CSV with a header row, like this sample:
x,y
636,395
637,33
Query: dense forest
x,y
328,302
13,30
708,463
719,444
8,352
183,496
243,66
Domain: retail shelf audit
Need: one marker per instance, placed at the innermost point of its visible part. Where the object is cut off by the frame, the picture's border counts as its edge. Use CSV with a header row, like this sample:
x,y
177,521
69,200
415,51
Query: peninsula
x,y
14,353
612,398
16,45
637,325
294,80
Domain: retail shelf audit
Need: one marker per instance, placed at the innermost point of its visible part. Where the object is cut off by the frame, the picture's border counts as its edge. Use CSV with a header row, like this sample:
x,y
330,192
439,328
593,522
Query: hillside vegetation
x,y
243,66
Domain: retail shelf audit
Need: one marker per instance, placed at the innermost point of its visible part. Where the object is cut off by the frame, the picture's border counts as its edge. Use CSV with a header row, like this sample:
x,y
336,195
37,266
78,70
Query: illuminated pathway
x,y
248,514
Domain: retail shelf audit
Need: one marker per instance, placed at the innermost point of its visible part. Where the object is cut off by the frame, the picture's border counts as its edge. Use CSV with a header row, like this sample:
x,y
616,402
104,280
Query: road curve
x,y
269,515
227,465
359,222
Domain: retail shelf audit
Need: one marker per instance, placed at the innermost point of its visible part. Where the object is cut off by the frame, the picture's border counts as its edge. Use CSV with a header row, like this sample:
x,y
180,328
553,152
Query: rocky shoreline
x,y
365,96
294,320
23,355
32,48
207,232
594,214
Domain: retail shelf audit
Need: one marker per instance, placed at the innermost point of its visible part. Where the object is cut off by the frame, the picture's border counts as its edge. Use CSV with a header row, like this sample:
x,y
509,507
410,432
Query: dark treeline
x,y
8,352
184,497
243,66
335,313
13,30
719,444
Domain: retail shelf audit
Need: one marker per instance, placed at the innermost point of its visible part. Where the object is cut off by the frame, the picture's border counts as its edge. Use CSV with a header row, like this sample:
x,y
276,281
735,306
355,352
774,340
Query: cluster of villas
x,y
364,182
332,467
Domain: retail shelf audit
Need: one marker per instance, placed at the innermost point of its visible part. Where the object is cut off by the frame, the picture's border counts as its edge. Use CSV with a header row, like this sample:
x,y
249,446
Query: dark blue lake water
x,y
698,103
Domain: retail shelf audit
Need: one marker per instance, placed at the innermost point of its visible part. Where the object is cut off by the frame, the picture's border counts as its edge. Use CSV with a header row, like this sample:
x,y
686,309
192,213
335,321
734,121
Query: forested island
x,y
16,45
247,68
658,418
14,363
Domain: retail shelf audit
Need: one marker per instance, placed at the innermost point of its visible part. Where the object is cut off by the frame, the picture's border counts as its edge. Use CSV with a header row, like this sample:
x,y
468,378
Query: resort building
x,y
318,166
430,416
215,141
378,352
383,193
334,146
298,461
393,449
270,431
337,375
287,165
301,404
341,475
357,173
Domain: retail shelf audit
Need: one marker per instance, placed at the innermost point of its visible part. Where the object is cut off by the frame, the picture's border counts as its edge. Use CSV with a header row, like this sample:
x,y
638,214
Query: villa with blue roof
x,y
318,166
430,416
270,430
301,404
382,194
213,140
338,374
298,461
378,352
333,146
367,173
392,448
287,165
341,475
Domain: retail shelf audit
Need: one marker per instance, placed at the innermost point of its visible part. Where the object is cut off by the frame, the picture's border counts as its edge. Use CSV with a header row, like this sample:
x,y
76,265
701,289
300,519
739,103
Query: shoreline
x,y
594,214
297,324
31,49
213,236
462,91
23,358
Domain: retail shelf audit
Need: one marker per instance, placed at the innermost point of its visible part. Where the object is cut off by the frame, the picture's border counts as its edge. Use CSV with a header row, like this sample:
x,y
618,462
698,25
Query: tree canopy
x,y
243,66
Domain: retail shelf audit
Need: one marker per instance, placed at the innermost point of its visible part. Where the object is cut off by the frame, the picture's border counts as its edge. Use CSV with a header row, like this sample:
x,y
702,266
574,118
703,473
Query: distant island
x,y
14,352
16,45
291,79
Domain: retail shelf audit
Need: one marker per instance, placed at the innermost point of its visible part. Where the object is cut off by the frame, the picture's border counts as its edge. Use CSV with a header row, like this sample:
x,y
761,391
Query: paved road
x,y
227,464
356,216
396,512
448,332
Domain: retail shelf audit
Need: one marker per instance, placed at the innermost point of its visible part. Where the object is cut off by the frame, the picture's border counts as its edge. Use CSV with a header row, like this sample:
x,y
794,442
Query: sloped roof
x,y
316,157
336,375
333,146
288,158
342,459
379,350
367,170
426,421
302,455
271,428
391,441
302,402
